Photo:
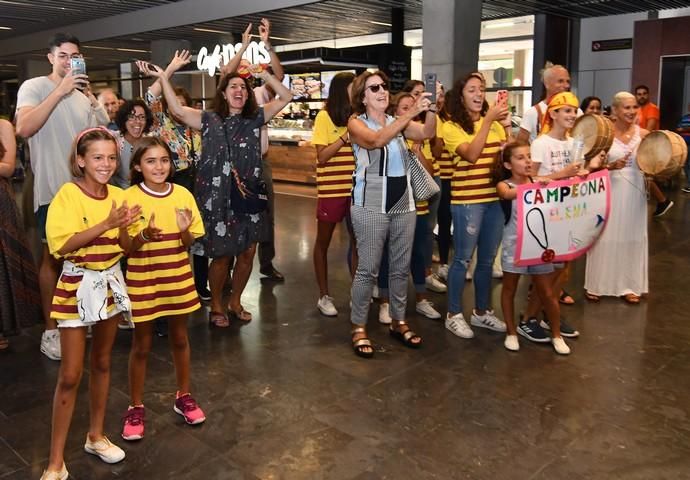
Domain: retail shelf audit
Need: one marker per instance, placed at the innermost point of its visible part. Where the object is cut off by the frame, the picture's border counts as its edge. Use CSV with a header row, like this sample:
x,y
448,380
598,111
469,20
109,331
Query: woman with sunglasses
x,y
382,204
474,133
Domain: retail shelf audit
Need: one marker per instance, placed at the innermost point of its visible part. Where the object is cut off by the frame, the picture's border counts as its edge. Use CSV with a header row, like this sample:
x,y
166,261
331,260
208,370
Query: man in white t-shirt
x,y
263,95
556,80
51,111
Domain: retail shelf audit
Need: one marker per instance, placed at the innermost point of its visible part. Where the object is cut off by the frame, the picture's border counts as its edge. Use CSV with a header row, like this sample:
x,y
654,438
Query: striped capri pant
x,y
371,231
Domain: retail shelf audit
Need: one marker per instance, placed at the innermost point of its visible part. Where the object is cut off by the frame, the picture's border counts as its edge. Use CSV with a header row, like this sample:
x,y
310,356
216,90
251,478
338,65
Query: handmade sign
x,y
562,220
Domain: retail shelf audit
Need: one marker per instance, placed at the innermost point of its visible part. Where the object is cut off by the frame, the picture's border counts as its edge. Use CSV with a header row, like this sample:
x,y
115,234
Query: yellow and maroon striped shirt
x,y
333,178
445,161
473,182
72,211
159,277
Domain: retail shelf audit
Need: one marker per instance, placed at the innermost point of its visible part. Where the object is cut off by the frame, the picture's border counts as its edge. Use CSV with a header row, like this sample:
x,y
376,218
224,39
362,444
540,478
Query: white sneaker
x,y
385,314
125,322
560,346
496,272
442,272
105,450
488,320
326,307
50,344
426,308
511,343
458,326
375,292
52,475
434,284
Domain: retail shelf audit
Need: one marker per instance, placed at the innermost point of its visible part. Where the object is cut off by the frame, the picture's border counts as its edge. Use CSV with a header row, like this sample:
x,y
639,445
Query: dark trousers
x,y
444,221
267,248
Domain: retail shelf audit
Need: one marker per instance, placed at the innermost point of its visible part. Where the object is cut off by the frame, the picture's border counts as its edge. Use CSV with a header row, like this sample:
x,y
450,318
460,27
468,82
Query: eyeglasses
x,y
64,56
376,87
141,118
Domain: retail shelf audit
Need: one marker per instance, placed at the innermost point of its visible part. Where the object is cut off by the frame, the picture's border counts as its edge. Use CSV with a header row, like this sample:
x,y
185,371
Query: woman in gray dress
x,y
231,142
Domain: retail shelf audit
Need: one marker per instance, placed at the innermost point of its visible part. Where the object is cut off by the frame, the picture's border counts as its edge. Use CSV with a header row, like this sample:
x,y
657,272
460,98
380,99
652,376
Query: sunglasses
x,y
375,88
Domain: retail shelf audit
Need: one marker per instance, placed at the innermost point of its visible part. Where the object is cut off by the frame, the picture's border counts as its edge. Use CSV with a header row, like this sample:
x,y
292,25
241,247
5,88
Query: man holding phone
x,y
51,111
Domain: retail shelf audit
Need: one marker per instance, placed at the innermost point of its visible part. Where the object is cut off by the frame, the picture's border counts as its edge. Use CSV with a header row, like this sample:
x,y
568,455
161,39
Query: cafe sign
x,y
256,53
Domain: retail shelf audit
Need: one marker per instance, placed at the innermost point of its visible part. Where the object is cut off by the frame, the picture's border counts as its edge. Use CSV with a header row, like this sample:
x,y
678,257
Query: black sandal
x,y
405,337
360,345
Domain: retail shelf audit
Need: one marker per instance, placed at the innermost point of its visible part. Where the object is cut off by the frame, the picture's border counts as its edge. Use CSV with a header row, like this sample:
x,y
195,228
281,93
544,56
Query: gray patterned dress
x,y
235,139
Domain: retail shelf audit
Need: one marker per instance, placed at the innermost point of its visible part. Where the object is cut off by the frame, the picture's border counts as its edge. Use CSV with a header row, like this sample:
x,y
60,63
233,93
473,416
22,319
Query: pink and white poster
x,y
561,220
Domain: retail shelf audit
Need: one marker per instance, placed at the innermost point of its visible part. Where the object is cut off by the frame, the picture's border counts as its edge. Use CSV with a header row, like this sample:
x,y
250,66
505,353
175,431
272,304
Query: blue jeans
x,y
474,225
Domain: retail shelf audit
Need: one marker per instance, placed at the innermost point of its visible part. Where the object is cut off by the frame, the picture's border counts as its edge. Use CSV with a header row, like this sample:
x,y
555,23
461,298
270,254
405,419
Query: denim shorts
x,y
508,260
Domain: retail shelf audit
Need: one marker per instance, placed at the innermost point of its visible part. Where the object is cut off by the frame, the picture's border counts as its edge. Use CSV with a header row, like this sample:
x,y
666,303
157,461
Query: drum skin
x,y
597,133
662,154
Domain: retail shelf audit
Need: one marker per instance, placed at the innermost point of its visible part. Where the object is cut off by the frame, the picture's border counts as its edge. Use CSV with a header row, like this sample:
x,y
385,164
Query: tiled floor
x,y
286,398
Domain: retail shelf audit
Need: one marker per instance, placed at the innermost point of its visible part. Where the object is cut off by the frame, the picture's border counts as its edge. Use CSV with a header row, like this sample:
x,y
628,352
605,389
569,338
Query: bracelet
x,y
343,140
144,238
269,49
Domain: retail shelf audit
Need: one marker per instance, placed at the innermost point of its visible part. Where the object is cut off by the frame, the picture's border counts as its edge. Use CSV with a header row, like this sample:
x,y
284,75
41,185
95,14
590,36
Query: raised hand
x,y
247,36
179,60
118,216
184,218
69,82
265,31
497,113
150,69
422,103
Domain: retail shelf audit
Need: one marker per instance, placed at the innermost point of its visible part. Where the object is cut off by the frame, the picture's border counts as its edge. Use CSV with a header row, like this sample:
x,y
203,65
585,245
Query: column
x,y
451,30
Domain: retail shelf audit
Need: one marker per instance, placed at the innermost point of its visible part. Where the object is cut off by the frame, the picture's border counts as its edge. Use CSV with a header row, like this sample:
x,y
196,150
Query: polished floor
x,y
286,398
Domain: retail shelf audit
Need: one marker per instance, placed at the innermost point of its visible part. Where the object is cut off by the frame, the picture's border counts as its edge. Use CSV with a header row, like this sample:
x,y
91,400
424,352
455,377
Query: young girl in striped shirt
x,y
87,228
159,276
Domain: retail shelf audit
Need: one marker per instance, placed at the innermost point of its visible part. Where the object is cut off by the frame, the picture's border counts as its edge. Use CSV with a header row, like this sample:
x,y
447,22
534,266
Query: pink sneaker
x,y
189,409
133,428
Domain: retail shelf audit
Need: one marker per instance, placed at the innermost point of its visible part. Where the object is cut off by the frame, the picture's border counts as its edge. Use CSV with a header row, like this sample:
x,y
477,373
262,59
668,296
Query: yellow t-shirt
x,y
473,182
445,161
72,211
159,277
422,206
333,178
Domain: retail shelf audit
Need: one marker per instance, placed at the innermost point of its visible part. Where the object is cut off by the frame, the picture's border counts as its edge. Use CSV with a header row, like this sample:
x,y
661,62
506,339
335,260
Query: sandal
x,y
631,298
565,298
407,336
242,315
218,320
362,346
591,297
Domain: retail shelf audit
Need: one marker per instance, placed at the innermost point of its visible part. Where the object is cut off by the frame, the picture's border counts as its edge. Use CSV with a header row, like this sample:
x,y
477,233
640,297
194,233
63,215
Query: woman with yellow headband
x,y
552,160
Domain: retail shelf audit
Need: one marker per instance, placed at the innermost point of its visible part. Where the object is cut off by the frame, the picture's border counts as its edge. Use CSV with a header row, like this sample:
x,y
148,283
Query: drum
x,y
662,154
597,133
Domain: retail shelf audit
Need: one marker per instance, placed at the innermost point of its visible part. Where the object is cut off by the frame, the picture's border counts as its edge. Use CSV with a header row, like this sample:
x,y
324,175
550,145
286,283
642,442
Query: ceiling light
x,y
132,50
380,23
273,37
97,47
499,25
5,28
210,30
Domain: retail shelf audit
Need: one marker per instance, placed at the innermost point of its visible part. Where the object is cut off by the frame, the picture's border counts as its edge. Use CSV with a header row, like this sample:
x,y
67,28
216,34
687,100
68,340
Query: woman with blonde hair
x,y
617,264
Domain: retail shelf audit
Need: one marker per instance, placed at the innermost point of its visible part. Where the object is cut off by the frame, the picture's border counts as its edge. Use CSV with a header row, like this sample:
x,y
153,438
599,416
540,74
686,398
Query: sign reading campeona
x,y
256,53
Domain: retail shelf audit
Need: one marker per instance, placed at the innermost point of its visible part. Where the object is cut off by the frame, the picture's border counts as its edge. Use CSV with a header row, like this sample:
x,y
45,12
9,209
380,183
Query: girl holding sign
x,y
517,161
551,155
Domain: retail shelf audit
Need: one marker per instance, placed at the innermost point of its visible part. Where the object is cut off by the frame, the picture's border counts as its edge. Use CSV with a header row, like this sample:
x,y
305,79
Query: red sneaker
x,y
133,428
189,409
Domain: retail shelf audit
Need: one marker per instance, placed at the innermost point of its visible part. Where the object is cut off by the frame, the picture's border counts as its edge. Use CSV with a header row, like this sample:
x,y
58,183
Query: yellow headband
x,y
559,100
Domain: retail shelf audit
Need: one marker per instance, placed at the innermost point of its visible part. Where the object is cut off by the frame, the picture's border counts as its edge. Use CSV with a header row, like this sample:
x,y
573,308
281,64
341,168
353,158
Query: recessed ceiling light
x,y
210,30
132,50
97,47
380,23
5,28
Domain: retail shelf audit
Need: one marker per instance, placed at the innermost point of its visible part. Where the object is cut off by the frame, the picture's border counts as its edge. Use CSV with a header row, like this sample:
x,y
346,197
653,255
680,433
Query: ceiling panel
x,y
323,20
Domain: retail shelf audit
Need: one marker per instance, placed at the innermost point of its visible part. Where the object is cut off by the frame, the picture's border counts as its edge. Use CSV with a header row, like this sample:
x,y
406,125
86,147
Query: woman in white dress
x,y
617,264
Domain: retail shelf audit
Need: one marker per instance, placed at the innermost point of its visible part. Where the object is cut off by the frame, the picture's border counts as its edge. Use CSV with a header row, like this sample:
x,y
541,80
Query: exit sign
x,y
614,44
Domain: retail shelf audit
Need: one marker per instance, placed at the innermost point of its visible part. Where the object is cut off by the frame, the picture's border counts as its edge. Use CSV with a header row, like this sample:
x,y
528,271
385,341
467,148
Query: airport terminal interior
x,y
284,396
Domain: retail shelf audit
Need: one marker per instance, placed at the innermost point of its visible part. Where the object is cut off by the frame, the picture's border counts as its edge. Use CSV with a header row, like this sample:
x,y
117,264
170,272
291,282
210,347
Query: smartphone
x,y
502,97
430,86
78,66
